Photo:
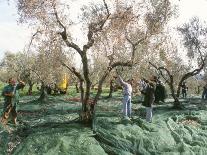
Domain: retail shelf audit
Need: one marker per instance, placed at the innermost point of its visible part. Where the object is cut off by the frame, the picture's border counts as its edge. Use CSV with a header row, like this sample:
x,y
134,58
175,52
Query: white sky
x,y
14,37
188,9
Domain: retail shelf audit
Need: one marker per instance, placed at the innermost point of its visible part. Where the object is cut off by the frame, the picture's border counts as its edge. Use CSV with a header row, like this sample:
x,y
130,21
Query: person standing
x,y
160,92
204,94
149,97
127,92
11,99
184,89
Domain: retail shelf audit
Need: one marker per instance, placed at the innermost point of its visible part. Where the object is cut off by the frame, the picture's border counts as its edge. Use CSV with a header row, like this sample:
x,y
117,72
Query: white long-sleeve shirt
x,y
127,88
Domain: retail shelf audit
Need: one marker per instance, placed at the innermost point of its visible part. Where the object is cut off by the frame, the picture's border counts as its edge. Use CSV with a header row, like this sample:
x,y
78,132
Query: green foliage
x,y
2,85
71,92
24,91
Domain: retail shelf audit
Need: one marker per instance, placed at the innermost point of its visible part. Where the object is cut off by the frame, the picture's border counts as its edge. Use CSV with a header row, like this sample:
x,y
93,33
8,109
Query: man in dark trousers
x,y
160,92
149,97
184,89
11,98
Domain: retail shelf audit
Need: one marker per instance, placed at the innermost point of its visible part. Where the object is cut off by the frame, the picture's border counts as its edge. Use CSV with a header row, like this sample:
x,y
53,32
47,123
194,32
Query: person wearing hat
x,y
11,98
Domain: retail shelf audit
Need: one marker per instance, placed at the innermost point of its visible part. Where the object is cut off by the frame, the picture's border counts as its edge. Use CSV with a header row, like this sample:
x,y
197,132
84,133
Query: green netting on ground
x,y
52,128
172,132
61,139
4,140
48,129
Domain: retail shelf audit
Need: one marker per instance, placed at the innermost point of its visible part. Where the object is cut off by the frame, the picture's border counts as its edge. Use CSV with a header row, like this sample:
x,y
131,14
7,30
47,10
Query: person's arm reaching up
x,y
122,82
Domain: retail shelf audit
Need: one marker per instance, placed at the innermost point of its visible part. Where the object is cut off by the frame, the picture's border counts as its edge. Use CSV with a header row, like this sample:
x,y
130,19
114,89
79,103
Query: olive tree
x,y
194,39
112,21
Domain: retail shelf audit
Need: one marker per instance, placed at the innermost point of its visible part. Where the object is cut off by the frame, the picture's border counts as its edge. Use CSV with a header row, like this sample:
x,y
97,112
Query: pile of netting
x,y
52,128
172,132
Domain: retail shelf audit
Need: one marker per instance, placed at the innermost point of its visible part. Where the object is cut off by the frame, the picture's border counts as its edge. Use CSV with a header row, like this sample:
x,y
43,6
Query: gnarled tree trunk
x,y
76,87
111,90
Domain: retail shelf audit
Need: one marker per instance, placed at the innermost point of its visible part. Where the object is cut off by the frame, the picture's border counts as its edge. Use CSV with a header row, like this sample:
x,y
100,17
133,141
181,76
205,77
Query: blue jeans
x,y
127,105
149,114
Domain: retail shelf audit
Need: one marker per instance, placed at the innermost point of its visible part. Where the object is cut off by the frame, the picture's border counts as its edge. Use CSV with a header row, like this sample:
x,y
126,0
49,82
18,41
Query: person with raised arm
x,y
127,93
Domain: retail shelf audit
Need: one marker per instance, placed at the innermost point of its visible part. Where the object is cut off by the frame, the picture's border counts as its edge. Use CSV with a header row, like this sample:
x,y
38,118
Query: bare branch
x,y
94,28
32,38
73,70
34,71
64,34
119,63
201,56
106,6
60,23
161,73
195,71
134,45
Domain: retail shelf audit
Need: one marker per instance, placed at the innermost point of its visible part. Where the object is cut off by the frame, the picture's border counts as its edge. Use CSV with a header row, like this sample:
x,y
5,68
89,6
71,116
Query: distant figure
x,y
11,99
127,92
184,90
204,94
111,88
149,97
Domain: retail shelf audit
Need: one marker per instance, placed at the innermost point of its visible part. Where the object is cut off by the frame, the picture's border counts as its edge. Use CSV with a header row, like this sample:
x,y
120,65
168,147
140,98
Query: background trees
x,y
174,71
115,33
102,37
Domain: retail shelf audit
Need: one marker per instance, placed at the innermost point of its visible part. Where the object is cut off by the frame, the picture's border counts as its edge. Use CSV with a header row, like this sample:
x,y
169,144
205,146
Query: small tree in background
x,y
195,36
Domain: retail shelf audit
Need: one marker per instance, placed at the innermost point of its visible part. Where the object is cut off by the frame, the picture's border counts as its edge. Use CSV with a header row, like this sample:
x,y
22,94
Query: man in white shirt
x,y
127,92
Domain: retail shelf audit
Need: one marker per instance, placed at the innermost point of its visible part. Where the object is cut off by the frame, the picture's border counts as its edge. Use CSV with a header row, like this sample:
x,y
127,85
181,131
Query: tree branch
x,y
94,28
73,70
195,71
134,45
119,63
64,34
161,73
106,6
32,38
